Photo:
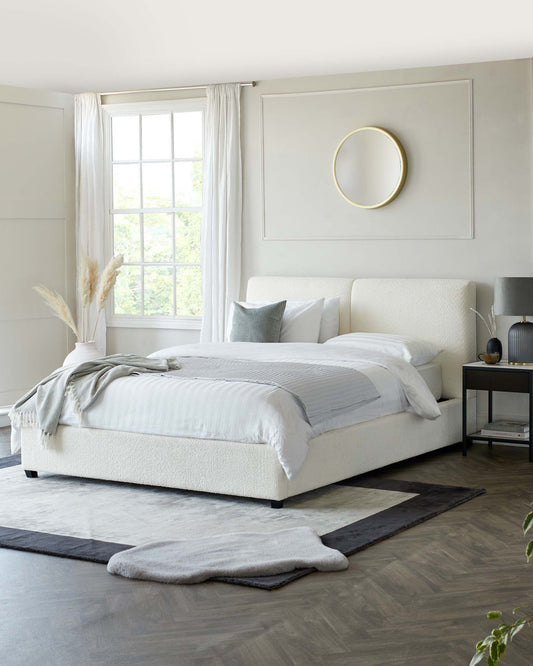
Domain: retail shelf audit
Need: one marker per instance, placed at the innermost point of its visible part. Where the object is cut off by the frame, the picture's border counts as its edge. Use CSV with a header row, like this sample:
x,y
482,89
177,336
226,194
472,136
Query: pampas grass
x,y
90,289
87,281
106,284
57,303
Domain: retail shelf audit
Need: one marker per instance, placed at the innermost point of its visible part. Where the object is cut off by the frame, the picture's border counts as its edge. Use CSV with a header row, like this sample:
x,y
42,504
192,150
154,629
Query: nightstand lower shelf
x,y
490,378
486,438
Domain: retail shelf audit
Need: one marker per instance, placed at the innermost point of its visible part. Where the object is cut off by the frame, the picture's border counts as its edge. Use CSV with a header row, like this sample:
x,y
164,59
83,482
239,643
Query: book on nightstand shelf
x,y
506,429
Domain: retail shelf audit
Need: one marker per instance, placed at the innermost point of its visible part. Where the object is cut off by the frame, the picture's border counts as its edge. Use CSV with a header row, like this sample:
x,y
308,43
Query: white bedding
x,y
246,412
432,375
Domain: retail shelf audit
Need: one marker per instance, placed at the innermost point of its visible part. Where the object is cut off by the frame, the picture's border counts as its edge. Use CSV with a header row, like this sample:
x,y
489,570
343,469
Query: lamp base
x,y
521,343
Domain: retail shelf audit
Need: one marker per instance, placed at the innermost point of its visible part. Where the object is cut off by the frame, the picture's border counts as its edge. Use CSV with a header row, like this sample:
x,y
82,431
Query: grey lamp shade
x,y
513,296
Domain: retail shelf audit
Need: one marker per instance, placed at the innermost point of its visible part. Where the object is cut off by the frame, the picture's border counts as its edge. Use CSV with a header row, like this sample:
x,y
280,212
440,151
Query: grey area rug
x,y
92,520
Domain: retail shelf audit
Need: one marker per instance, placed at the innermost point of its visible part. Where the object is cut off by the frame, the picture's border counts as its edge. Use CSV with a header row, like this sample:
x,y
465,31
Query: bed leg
x,y
276,504
31,473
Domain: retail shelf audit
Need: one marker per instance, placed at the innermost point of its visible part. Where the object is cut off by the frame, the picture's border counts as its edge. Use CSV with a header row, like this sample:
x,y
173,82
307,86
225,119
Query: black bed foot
x,y
31,473
276,504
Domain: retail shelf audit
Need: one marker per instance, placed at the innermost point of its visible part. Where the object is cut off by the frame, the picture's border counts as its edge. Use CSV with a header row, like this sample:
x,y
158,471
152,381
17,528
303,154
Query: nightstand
x,y
499,377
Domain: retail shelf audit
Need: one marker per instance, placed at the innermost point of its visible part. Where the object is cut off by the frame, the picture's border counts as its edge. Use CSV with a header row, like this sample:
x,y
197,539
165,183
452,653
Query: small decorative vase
x,y
494,346
84,351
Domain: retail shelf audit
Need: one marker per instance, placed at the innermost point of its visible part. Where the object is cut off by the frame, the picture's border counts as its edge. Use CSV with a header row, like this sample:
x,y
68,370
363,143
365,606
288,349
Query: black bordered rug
x,y
91,520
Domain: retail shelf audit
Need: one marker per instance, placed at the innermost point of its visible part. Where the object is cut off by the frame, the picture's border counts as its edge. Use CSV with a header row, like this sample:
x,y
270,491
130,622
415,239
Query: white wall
x,y
502,243
36,233
502,140
301,132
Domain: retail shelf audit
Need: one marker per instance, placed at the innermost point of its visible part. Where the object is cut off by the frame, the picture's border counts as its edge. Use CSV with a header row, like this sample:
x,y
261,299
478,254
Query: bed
x,y
436,310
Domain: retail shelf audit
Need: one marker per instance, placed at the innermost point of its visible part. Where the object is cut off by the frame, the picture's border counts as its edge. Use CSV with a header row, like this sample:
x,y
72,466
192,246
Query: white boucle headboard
x,y
431,309
275,288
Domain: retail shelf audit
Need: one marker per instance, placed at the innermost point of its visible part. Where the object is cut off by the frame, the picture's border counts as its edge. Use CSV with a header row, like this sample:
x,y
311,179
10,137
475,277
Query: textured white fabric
x,y
246,412
301,319
416,391
339,454
235,468
412,350
222,209
237,554
432,375
436,310
436,307
277,288
279,427
90,197
329,324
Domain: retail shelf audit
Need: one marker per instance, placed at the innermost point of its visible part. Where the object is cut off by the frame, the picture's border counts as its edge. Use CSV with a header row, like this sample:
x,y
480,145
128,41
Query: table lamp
x,y
514,296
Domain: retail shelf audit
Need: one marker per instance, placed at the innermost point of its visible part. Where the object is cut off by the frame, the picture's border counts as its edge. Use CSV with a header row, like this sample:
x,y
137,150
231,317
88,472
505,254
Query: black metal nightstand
x,y
500,377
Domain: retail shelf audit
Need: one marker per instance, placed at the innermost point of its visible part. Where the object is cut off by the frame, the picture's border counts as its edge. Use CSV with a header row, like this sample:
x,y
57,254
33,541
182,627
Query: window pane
x,y
158,292
188,227
188,291
126,186
188,132
158,237
157,185
156,137
127,237
128,291
125,131
188,184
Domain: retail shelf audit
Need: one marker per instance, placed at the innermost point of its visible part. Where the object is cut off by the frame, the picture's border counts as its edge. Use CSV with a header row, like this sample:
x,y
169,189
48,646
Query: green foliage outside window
x,y
161,249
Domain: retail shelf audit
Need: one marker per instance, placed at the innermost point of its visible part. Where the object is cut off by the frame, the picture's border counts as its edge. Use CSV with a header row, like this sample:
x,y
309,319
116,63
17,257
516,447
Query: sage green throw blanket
x,y
42,405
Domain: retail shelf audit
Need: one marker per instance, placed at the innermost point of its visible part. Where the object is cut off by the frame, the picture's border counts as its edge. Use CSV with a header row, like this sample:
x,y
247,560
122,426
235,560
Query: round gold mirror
x,y
369,167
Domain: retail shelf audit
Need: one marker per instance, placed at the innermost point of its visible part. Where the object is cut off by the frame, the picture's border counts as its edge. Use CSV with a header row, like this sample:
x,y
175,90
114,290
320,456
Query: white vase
x,y
84,351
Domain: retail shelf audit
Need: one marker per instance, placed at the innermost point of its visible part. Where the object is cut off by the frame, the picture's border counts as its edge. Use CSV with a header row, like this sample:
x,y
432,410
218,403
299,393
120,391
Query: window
x,y
155,212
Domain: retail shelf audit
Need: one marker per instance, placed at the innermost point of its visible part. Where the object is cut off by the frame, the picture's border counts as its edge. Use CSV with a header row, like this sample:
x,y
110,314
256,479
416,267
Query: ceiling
x,y
101,45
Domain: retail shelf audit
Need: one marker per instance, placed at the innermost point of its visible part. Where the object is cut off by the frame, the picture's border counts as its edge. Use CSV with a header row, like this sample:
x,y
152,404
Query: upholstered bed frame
x,y
433,309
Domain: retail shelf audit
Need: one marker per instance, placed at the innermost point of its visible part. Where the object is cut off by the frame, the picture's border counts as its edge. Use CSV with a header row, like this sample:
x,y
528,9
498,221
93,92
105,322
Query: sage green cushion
x,y
257,324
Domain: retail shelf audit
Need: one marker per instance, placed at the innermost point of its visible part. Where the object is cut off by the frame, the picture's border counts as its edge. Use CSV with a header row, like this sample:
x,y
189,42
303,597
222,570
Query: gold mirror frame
x,y
403,167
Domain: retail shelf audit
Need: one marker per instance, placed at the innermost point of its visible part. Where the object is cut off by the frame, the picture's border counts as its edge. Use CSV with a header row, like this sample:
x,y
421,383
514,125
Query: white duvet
x,y
247,412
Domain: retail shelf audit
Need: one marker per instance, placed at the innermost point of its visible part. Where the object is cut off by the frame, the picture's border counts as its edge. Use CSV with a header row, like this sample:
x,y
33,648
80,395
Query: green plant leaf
x,y
479,656
497,633
494,615
501,649
491,661
488,640
528,522
494,651
518,627
525,609
529,550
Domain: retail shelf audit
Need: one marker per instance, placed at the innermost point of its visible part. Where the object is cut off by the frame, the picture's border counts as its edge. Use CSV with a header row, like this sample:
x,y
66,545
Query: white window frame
x,y
109,110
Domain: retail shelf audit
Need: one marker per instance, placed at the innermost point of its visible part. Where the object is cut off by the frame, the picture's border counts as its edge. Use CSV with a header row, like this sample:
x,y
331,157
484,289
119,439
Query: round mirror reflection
x,y
369,167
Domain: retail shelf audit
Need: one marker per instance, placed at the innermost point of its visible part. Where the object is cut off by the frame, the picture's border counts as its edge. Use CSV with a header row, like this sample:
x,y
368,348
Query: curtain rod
x,y
151,90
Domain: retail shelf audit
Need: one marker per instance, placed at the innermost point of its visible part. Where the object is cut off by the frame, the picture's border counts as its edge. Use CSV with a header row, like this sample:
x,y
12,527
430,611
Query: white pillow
x,y
300,323
329,324
412,350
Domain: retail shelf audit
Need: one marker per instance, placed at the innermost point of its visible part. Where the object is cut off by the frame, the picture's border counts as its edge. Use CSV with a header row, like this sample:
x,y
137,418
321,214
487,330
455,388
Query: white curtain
x,y
90,196
222,209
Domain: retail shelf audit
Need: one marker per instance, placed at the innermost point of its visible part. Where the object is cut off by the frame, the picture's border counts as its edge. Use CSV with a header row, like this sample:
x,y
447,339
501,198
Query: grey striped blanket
x,y
322,391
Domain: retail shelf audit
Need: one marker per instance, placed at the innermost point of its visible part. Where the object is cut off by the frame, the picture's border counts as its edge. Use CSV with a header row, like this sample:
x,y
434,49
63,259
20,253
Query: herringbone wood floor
x,y
417,599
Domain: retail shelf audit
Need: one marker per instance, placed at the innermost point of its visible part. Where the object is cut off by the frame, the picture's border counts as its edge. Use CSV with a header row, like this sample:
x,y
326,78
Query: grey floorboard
x,y
417,599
